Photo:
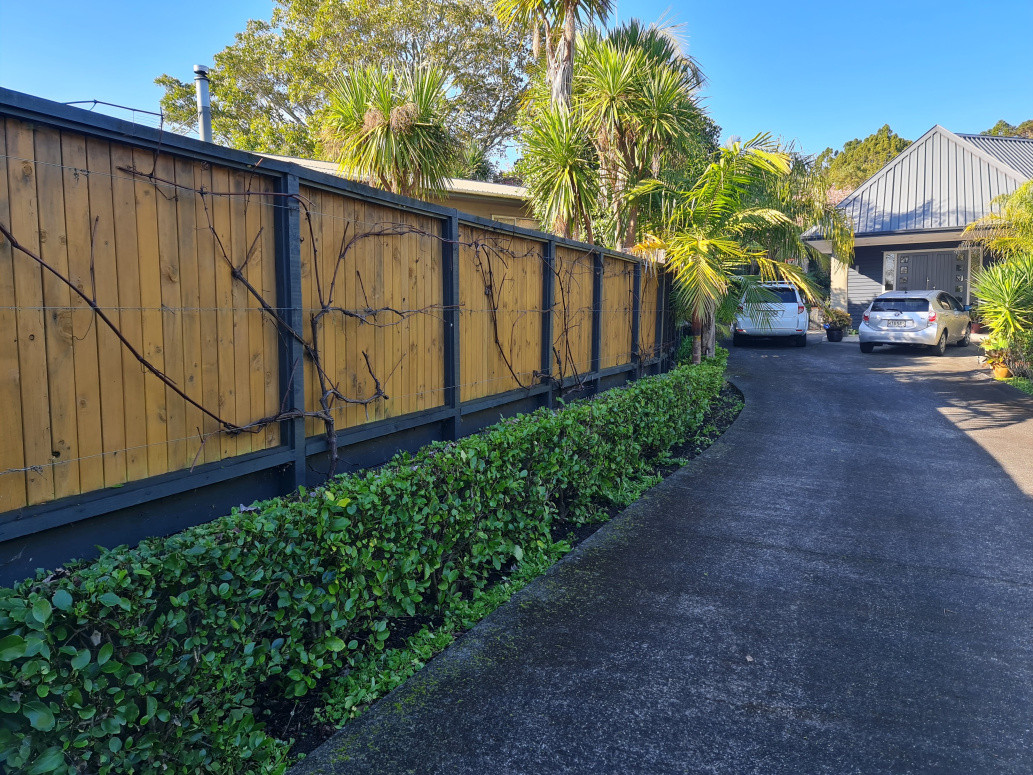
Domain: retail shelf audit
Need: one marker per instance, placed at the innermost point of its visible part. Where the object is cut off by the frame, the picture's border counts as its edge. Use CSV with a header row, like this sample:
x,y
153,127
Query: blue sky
x,y
817,72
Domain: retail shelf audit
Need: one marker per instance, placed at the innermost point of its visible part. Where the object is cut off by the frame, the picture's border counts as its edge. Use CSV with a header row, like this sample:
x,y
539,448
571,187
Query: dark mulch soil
x,y
287,718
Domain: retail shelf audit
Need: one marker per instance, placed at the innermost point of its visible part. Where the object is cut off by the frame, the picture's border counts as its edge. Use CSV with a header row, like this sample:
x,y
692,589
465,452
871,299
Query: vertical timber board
x,y
150,302
190,310
169,287
636,317
597,309
28,282
310,221
123,379
548,303
271,205
64,441
450,299
12,451
79,230
219,214
254,257
207,267
237,249
289,301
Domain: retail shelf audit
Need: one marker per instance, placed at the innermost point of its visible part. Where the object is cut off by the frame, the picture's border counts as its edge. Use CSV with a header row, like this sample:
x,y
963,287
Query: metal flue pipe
x,y
204,104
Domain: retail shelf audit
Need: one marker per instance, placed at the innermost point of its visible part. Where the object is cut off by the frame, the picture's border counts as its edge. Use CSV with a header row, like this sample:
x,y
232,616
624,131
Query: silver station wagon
x,y
931,318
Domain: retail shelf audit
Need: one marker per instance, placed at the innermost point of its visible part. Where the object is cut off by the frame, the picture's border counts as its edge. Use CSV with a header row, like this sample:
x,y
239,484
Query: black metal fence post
x,y
450,301
288,300
636,315
548,302
597,316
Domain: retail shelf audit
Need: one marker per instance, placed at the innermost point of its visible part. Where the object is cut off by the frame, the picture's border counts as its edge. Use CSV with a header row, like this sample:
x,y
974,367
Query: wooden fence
x,y
159,294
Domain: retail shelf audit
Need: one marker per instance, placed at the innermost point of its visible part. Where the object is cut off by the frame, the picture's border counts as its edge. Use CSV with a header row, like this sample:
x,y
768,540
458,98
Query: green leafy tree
x,y
270,87
1003,129
389,128
860,159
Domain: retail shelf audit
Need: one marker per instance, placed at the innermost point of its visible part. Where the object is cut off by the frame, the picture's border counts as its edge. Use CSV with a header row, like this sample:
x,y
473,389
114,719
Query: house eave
x,y
907,237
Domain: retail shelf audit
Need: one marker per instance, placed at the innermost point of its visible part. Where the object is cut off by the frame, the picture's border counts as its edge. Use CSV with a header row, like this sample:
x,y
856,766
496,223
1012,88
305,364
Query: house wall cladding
x,y
200,258
864,277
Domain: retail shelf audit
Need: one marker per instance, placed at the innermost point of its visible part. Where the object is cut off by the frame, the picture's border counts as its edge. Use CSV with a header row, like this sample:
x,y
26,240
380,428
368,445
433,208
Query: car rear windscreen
x,y
900,305
781,295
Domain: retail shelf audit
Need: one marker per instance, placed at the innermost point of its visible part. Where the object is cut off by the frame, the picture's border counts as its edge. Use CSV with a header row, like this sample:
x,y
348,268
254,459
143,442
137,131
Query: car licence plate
x,y
896,323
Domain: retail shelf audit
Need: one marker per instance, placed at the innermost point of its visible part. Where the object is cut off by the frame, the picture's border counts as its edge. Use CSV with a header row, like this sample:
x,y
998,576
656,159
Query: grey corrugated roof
x,y
1016,152
940,181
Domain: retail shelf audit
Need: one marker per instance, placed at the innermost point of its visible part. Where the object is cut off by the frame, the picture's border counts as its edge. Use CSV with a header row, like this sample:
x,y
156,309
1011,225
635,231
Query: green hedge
x,y
148,659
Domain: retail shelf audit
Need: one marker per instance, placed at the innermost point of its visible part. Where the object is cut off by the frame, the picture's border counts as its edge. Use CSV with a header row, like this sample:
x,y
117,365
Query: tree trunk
x,y
697,340
709,335
630,234
561,69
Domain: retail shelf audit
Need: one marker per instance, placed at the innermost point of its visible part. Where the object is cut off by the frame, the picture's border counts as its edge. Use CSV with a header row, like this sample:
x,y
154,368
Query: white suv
x,y
784,316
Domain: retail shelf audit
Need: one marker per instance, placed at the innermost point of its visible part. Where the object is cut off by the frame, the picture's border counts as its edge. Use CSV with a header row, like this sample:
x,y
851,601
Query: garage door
x,y
943,270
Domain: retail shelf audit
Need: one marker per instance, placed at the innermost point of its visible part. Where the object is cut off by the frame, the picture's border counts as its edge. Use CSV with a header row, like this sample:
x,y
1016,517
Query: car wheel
x,y
941,346
966,340
867,347
738,340
801,341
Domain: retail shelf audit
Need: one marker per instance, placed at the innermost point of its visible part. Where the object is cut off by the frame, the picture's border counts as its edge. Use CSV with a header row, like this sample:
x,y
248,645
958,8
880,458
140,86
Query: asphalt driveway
x,y
842,584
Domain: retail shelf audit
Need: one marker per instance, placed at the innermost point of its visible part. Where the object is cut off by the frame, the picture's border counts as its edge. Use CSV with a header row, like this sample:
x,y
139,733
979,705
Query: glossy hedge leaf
x,y
51,759
62,600
39,715
11,648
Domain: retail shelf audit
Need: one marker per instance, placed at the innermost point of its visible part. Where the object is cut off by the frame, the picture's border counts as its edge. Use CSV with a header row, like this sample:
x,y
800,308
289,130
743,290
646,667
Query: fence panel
x,y
500,303
371,279
617,308
88,414
650,311
572,327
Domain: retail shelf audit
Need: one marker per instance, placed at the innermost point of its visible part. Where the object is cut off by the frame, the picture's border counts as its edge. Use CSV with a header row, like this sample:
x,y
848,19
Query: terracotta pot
x,y
1001,371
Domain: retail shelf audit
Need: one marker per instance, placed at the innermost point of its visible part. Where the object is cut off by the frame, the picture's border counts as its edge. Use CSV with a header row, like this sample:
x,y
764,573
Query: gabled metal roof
x,y
1016,152
941,181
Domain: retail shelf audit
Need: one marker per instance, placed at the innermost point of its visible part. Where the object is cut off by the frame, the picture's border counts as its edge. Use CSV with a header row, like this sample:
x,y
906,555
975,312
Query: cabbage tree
x,y
389,128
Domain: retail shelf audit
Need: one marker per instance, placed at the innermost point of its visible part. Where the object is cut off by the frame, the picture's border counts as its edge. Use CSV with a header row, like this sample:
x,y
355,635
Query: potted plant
x,y
836,322
995,349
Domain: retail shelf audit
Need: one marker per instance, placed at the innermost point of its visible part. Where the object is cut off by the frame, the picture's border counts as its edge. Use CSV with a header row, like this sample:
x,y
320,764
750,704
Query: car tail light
x,y
864,317
799,309
932,317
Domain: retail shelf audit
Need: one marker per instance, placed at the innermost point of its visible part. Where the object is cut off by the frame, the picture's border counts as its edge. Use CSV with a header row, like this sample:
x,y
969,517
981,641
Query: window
x,y
900,305
942,301
782,295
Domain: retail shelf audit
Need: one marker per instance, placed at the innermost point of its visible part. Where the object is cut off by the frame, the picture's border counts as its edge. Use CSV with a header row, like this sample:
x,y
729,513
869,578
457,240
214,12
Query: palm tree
x,y
559,171
389,128
637,91
554,23
632,114
1008,229
706,229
